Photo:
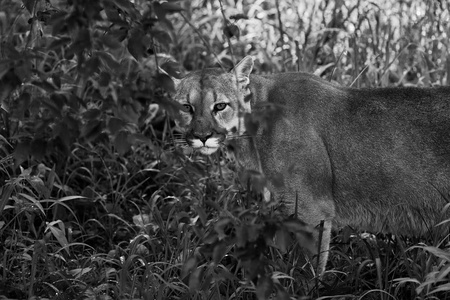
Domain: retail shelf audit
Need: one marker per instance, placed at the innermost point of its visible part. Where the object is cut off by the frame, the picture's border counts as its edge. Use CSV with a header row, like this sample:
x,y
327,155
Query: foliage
x,y
97,203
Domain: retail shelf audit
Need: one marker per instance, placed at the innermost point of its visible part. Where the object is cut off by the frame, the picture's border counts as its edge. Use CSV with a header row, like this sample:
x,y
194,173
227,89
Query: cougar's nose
x,y
203,137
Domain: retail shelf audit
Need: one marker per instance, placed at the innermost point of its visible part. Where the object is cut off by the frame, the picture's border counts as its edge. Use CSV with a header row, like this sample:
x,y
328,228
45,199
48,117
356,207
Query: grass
x,y
128,217
174,240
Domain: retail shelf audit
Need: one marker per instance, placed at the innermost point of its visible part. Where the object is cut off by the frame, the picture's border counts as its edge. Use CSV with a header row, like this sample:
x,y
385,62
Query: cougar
x,y
376,159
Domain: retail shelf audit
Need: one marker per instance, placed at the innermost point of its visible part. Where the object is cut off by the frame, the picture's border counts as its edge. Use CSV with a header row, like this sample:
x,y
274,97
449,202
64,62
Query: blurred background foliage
x,y
97,203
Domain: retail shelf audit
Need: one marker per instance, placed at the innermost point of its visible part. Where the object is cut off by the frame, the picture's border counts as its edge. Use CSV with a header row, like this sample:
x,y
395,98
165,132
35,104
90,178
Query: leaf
x,y
91,66
58,43
68,198
5,67
162,37
219,252
296,225
188,266
141,220
48,16
38,184
320,70
239,17
77,273
60,24
120,34
231,30
113,15
165,82
51,105
130,112
153,110
56,80
108,61
171,7
82,42
443,273
441,288
11,52
254,232
92,114
282,294
303,233
264,287
110,41
135,45
38,149
128,7
281,240
161,12
4,140
21,152
104,79
202,214
194,279
44,85
29,5
251,124
5,193
121,142
60,236
91,130
172,68
443,254
220,227
115,124
34,201
210,238
241,236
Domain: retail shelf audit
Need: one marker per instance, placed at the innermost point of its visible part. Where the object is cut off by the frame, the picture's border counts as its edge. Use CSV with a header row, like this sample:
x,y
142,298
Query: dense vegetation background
x,y
96,202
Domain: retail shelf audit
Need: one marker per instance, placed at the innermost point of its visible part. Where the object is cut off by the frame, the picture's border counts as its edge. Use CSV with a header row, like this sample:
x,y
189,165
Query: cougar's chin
x,y
208,150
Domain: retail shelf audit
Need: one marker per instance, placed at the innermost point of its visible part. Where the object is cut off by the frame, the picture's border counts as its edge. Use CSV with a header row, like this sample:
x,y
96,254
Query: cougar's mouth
x,y
208,150
208,147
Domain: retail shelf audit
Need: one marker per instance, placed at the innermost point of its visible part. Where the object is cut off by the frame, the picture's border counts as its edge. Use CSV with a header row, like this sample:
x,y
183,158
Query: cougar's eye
x,y
220,106
187,108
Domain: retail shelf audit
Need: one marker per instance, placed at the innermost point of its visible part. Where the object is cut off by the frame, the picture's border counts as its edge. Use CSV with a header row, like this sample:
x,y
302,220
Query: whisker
x,y
242,136
181,143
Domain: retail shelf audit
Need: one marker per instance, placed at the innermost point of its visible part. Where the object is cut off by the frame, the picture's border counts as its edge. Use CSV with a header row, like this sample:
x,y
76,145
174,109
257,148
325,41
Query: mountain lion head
x,y
214,104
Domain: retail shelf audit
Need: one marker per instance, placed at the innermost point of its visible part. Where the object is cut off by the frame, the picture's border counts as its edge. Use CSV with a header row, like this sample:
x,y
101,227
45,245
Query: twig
x,y
203,40
337,62
233,59
280,25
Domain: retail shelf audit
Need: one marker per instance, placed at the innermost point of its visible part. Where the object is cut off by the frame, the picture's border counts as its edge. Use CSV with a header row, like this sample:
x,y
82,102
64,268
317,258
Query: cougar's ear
x,y
243,69
176,82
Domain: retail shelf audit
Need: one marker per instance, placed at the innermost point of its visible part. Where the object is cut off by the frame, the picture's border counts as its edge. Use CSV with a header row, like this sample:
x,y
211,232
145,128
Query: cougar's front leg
x,y
317,213
322,237
320,218
308,193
